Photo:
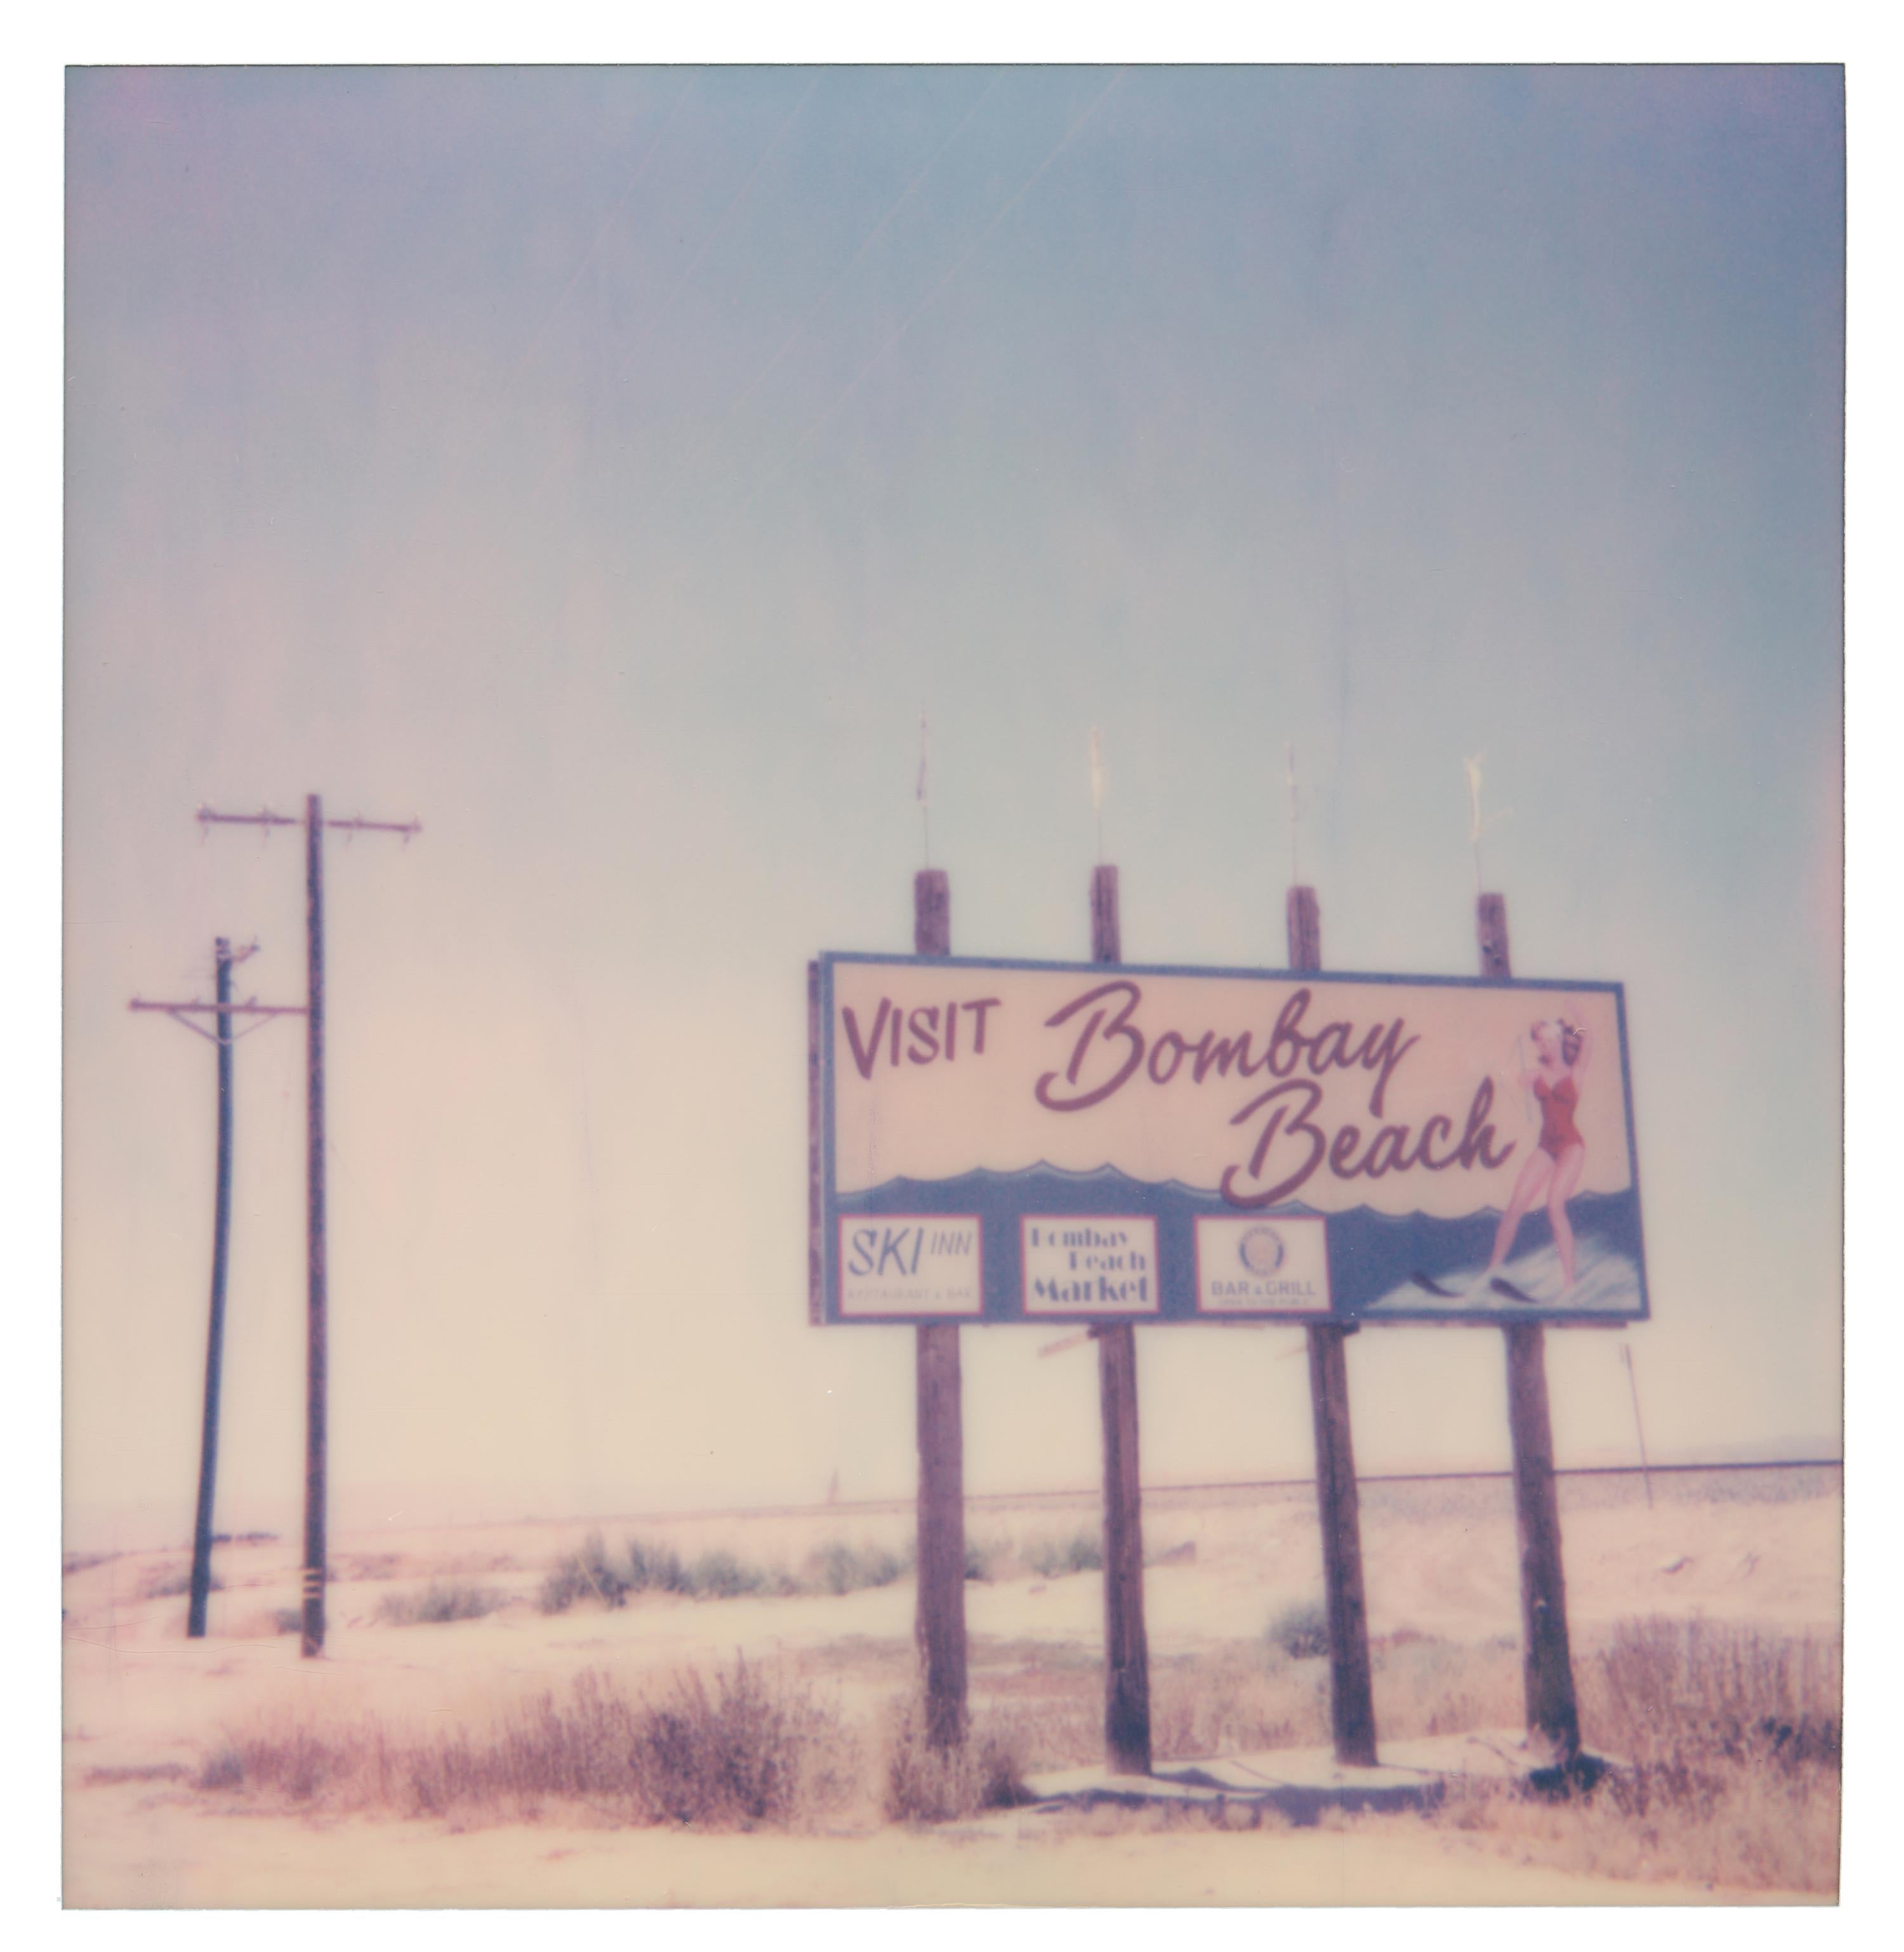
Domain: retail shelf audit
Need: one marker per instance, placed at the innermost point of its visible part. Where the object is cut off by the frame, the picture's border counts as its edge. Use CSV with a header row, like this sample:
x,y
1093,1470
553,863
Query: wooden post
x,y
815,1303
1351,1695
939,1621
215,1342
1546,1660
317,1351
1127,1659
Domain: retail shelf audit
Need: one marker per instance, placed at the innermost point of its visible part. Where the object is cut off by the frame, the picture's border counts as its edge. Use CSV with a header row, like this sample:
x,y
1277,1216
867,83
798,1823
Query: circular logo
x,y
1260,1250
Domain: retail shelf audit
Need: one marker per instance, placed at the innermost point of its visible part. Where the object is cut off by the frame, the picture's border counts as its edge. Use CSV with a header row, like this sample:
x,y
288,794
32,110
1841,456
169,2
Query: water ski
x,y
1512,1293
1435,1287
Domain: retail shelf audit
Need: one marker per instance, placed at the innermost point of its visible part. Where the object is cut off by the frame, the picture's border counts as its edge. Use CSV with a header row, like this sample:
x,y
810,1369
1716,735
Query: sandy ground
x,y
144,1706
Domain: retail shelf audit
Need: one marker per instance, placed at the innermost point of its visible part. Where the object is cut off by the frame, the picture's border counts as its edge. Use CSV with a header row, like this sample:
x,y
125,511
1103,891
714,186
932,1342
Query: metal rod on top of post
x,y
1351,1698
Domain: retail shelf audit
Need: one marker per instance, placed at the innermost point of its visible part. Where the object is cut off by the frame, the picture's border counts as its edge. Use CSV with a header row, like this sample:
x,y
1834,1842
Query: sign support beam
x,y
1351,1698
1127,1661
939,1623
1546,1659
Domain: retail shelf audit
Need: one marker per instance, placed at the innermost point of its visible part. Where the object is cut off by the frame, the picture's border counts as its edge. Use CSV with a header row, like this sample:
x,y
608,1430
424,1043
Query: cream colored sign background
x,y
929,1117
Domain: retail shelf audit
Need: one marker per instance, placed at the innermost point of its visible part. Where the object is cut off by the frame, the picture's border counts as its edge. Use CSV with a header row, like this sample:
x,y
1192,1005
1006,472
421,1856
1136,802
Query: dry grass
x,y
1424,1685
1055,1558
171,1582
746,1751
439,1603
1727,1740
591,1573
1301,1631
1726,1743
925,1784
84,1562
1241,1698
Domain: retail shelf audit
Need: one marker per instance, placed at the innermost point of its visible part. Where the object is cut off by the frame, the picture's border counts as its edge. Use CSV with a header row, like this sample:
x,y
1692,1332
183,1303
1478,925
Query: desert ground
x,y
412,1765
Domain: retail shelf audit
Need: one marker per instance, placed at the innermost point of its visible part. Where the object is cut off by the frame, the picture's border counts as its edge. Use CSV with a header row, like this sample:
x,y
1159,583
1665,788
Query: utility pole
x,y
317,1339
221,1010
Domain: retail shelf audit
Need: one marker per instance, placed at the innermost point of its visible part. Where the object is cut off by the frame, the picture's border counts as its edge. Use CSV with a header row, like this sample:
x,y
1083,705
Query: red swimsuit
x,y
1556,1128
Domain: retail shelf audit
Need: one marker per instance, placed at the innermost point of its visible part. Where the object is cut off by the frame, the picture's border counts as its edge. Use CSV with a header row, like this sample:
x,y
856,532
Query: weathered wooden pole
x,y
1546,1660
1127,1659
317,1338
316,1362
1352,1696
214,1341
939,1622
223,1012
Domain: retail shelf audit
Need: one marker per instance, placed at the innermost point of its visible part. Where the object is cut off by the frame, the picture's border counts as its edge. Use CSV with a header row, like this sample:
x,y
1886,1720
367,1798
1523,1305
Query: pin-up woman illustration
x,y
1562,1050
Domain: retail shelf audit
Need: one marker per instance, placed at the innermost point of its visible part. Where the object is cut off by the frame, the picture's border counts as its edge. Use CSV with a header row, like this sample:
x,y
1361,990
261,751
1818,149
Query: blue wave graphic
x,y
1374,1258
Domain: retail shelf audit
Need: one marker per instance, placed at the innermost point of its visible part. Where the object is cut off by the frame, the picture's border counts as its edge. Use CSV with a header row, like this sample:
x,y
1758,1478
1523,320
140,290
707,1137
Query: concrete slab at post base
x,y
1300,1783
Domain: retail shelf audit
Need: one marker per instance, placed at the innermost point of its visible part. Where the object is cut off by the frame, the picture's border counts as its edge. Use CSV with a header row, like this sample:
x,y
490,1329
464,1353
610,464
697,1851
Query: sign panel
x,y
1022,1141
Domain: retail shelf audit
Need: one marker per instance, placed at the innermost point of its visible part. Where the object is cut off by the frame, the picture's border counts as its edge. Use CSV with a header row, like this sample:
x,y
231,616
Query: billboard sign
x,y
1004,1141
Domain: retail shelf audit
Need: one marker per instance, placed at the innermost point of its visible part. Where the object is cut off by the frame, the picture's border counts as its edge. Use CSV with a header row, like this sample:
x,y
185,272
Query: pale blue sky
x,y
606,466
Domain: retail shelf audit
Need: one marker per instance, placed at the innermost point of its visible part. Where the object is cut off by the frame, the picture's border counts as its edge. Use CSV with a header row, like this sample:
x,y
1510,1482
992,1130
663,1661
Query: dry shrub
x,y
1677,1699
171,1582
589,1573
926,1785
747,1750
750,1753
1732,1739
441,1602
983,1557
586,1573
839,1568
1726,1746
289,1760
1300,1631
1055,1558
371,1565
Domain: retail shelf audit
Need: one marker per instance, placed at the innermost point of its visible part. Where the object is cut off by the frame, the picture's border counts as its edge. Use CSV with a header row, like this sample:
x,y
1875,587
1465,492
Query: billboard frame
x,y
824,1273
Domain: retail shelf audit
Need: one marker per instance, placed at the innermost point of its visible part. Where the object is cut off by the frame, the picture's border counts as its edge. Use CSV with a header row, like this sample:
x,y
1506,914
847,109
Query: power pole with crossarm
x,y
317,1342
224,1034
